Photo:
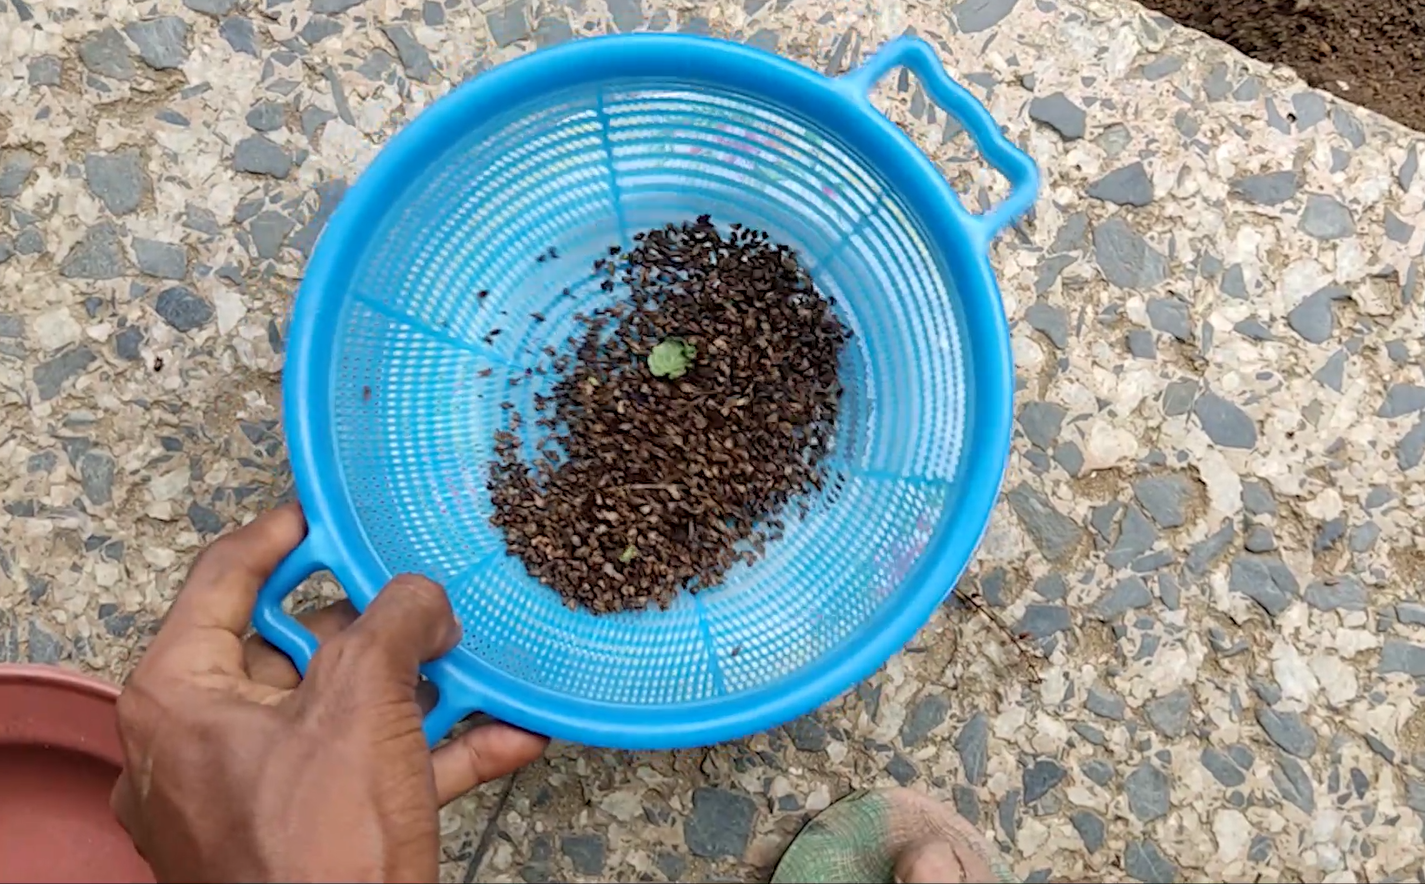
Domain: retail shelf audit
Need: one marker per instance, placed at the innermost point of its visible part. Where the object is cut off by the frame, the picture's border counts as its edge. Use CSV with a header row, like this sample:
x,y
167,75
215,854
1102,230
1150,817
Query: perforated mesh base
x,y
414,419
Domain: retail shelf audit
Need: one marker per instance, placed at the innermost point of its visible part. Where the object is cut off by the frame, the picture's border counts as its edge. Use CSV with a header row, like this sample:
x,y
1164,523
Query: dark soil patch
x,y
1370,52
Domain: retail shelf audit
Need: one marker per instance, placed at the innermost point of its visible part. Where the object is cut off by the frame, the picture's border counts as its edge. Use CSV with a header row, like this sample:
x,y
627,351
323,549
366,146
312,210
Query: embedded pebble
x,y
1267,188
1127,186
162,41
259,155
1224,422
1147,790
1060,114
720,824
1288,730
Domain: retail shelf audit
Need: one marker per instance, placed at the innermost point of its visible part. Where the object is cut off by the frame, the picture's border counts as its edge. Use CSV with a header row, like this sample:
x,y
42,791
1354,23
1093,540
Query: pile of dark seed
x,y
646,485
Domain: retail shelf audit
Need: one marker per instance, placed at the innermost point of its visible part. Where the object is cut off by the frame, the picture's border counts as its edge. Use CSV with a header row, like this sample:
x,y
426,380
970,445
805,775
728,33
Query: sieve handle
x,y
275,625
919,58
298,643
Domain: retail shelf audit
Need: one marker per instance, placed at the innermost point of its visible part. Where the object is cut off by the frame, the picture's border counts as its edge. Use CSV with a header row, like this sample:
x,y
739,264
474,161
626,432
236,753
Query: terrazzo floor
x,y
1207,531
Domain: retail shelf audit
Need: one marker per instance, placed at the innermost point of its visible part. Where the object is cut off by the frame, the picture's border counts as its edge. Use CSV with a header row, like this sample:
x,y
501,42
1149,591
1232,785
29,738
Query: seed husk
x,y
644,484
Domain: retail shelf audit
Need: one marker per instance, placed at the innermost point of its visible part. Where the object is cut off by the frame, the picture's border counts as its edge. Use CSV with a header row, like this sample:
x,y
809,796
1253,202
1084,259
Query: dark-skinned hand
x,y
236,770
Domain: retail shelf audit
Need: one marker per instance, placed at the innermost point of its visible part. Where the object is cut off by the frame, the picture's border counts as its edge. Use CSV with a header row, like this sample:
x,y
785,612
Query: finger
x,y
222,587
408,623
268,666
482,754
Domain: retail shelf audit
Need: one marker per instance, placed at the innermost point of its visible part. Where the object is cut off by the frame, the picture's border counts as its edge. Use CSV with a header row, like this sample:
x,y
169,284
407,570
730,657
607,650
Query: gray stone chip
x,y
1136,536
1267,188
1144,861
1041,777
128,342
1060,114
269,230
1127,186
1314,319
1337,594
97,256
167,261
1224,422
266,116
259,155
16,167
1260,540
508,23
44,70
1332,373
214,8
1125,257
1399,656
1265,580
414,57
334,7
319,28
1164,498
241,35
1172,316
585,852
1055,534
182,309
973,16
1294,782
972,743
1411,449
1097,770
118,179
1049,321
1221,766
1169,713
107,55
1288,730
1309,108
1041,621
1104,702
1326,218
720,824
1128,594
45,647
1402,399
1148,791
1090,828
924,716
50,375
1252,328
1041,422
627,15
162,41
96,476
1398,230
807,734
1141,344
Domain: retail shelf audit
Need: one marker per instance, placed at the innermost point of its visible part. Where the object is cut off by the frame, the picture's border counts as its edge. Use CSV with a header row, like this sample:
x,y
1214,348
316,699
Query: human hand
x,y
236,770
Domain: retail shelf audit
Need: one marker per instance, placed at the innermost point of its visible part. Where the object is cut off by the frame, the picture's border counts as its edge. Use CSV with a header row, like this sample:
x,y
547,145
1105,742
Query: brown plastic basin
x,y
59,758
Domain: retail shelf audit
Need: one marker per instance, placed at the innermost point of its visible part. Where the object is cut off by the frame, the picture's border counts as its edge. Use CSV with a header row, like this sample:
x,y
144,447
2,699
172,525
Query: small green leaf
x,y
671,358
628,555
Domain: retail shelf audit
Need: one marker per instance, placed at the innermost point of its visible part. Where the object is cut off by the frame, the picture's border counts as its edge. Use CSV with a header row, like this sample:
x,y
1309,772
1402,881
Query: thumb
x,y
408,623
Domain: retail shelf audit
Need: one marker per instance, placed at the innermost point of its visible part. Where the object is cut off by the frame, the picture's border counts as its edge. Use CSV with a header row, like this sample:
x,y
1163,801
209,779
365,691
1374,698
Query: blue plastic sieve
x,y
390,422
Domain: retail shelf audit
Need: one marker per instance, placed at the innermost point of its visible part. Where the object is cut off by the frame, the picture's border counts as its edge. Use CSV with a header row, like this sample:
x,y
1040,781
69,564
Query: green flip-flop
x,y
860,838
